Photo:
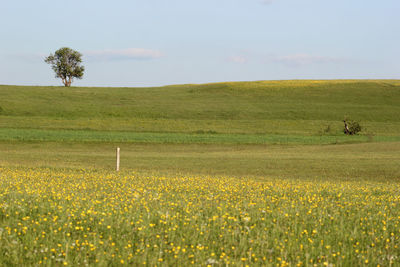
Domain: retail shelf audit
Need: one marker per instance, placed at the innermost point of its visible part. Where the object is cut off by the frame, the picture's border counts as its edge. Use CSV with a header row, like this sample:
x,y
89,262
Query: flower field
x,y
65,217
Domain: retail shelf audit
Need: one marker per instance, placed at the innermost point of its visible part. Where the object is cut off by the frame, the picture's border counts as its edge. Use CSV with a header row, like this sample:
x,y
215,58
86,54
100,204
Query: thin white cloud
x,y
238,59
26,57
305,59
96,55
267,2
123,54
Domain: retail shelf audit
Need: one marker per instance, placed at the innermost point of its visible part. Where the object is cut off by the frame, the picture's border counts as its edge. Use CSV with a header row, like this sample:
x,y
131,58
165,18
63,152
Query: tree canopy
x,y
66,64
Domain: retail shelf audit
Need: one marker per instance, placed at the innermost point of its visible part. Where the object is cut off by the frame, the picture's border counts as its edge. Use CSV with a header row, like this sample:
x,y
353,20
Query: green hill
x,y
290,108
208,129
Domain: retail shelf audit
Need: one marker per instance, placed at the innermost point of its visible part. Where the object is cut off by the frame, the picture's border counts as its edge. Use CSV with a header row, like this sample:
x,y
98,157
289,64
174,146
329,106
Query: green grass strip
x,y
33,135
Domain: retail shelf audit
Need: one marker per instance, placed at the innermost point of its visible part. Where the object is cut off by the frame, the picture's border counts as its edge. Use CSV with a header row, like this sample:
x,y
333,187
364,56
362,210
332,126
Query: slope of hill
x,y
208,129
265,107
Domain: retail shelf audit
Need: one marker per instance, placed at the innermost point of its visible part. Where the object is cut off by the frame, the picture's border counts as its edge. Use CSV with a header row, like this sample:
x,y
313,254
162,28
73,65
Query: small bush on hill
x,y
351,127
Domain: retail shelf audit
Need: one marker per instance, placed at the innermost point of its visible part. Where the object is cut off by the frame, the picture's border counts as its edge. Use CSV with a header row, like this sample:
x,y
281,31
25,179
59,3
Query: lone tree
x,y
66,64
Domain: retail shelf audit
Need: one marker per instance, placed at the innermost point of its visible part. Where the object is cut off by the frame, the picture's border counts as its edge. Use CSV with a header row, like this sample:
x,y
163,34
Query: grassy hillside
x,y
263,129
264,107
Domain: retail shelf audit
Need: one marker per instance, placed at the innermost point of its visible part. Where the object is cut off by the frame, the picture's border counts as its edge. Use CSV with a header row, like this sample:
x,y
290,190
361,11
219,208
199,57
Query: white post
x,y
118,159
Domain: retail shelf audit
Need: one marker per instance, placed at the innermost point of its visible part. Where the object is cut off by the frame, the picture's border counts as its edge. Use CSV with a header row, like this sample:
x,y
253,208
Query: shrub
x,y
351,127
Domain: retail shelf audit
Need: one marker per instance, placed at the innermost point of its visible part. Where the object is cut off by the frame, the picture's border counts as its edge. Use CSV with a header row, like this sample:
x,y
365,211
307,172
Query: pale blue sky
x,y
159,42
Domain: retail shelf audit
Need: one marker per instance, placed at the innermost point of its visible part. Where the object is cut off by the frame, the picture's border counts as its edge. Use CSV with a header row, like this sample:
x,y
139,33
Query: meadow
x,y
97,218
249,173
373,161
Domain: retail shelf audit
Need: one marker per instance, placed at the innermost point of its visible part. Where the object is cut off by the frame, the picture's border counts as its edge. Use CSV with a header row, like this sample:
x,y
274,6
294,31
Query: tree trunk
x,y
65,82
69,81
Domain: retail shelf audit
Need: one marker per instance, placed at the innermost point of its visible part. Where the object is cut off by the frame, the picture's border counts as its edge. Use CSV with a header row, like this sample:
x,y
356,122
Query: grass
x,y
98,218
265,107
251,173
34,135
363,161
266,128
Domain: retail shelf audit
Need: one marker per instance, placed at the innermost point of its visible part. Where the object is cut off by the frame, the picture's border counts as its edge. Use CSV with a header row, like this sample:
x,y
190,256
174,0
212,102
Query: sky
x,y
162,42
